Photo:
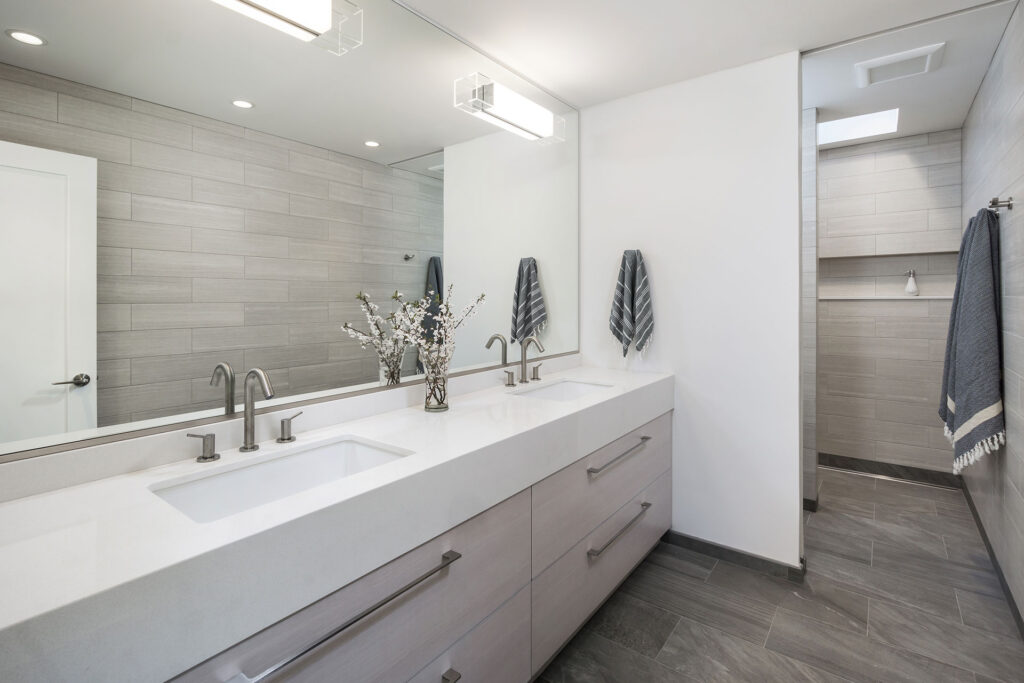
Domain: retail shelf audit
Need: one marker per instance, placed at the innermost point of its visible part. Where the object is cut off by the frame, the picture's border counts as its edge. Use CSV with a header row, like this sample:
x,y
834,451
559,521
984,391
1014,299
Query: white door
x,y
47,291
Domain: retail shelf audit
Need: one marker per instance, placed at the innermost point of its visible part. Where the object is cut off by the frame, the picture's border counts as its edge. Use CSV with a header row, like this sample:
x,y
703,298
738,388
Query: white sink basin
x,y
272,476
561,390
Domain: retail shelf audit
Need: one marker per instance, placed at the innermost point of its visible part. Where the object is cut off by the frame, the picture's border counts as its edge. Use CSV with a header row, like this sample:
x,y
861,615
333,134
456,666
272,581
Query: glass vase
x,y
390,371
436,383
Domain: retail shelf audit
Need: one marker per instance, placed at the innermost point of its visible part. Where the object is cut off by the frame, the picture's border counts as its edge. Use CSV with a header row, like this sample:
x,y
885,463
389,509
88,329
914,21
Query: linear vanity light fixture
x,y
302,19
495,103
854,127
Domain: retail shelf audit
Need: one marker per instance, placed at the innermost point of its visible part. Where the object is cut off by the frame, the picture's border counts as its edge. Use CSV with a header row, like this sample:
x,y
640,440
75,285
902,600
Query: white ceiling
x,y
592,51
197,56
938,100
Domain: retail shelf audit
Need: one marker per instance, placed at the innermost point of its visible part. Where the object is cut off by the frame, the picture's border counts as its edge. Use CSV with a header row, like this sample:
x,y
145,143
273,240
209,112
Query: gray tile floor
x,y
898,588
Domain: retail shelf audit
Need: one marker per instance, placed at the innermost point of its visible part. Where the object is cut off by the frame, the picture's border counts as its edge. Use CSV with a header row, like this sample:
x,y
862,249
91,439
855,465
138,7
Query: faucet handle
x,y
536,373
510,378
209,446
286,429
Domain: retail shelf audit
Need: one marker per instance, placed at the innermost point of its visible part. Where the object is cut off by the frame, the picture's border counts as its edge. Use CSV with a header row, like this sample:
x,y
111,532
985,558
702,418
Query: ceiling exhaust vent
x,y
914,62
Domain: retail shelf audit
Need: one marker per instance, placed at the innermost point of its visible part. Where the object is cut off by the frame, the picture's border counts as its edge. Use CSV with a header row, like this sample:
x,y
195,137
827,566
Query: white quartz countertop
x,y
107,581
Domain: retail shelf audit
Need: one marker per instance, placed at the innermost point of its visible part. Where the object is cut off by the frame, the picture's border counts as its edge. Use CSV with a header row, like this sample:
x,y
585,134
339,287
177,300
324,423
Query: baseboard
x,y
1014,609
743,559
811,505
884,469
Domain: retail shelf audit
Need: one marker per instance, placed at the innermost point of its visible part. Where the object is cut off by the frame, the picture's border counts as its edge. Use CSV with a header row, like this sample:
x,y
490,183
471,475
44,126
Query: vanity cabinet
x,y
496,651
491,600
401,637
570,504
569,591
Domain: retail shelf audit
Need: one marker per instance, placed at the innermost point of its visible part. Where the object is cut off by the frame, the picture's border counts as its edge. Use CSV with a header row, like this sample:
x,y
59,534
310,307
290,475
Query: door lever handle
x,y
79,380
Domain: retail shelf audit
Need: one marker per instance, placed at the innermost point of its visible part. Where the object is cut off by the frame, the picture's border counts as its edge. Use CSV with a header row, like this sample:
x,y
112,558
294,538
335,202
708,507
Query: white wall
x,y
506,198
703,177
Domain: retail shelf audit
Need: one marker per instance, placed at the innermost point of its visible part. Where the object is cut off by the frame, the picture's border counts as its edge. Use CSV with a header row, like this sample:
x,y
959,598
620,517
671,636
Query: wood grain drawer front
x,y
567,592
404,635
570,503
496,651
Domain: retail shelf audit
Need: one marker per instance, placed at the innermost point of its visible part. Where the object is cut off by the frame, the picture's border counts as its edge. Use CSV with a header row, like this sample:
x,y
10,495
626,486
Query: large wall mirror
x,y
154,226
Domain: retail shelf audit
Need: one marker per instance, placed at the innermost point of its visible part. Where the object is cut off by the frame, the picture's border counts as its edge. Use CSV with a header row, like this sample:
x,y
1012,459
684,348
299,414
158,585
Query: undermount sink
x,y
562,390
273,476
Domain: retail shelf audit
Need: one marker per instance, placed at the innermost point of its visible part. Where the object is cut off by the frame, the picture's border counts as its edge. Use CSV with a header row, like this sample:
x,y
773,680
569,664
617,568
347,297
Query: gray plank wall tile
x,y
56,85
808,288
18,98
177,212
891,197
234,147
113,261
218,242
136,125
993,148
143,181
874,400
891,206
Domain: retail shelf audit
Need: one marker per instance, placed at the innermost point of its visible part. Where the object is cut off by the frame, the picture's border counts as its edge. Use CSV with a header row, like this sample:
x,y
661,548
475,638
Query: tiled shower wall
x,y
885,208
899,196
879,381
222,243
994,166
809,296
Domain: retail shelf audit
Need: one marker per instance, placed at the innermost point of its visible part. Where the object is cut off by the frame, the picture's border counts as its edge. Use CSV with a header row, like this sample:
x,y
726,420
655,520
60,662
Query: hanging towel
x,y
435,284
632,318
528,311
971,404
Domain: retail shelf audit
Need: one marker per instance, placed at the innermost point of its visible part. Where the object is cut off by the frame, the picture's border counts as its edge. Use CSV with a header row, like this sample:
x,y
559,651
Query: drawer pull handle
x,y
446,559
594,471
451,676
595,552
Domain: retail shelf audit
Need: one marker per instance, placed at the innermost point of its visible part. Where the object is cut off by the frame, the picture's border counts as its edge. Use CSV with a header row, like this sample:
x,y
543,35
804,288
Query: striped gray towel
x,y
632,317
971,405
528,311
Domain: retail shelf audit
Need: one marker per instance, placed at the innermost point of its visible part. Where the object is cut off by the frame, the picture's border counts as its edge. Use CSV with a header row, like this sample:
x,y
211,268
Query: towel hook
x,y
996,203
408,257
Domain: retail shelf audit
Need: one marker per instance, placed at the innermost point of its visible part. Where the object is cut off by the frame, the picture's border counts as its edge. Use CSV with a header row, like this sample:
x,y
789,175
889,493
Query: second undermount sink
x,y
561,390
272,476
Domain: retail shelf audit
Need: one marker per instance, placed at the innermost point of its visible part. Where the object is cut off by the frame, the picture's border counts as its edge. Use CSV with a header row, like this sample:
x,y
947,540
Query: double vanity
x,y
399,546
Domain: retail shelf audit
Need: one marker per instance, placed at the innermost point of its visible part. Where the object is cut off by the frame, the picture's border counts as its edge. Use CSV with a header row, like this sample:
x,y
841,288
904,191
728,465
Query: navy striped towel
x,y
632,318
528,312
971,404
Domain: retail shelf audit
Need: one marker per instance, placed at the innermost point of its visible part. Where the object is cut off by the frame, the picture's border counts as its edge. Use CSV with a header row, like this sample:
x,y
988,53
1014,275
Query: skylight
x,y
854,127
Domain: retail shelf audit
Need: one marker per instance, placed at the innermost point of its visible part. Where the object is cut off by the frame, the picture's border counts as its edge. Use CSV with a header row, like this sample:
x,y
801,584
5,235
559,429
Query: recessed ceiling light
x,y
25,37
854,127
372,143
242,104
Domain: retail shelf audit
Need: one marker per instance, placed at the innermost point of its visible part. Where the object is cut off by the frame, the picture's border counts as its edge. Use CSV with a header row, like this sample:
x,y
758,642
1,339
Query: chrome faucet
x,y
251,378
224,369
504,346
524,346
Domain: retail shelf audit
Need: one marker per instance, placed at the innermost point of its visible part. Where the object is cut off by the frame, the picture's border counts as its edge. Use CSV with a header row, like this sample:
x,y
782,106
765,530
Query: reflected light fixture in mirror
x,y
495,103
25,37
302,19
856,127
